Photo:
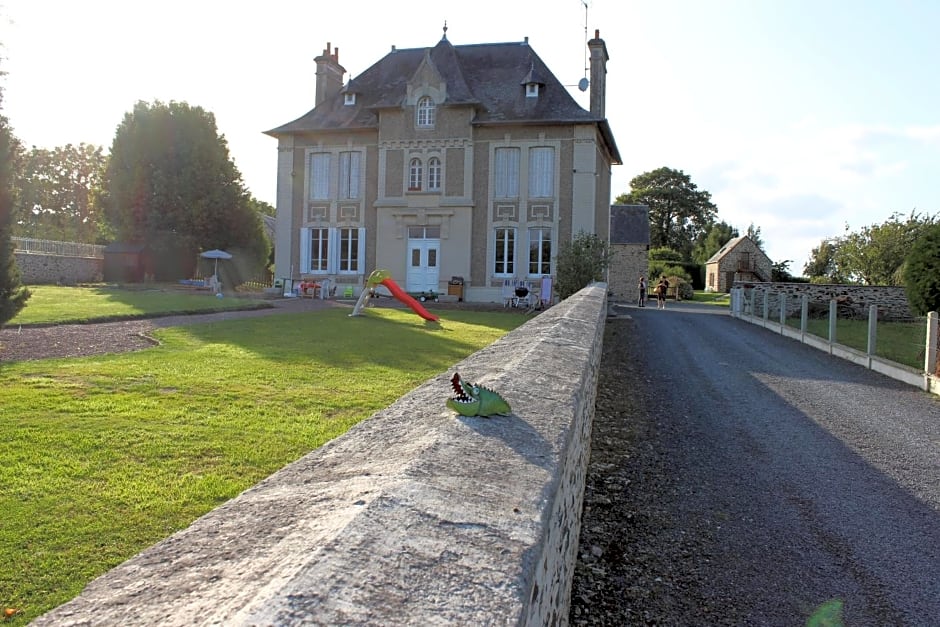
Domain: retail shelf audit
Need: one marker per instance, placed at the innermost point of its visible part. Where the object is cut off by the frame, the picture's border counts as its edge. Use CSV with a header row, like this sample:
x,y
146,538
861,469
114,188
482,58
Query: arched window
x,y
434,174
425,112
414,175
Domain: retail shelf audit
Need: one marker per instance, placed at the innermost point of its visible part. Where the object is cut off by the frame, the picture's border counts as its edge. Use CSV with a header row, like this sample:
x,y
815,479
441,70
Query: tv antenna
x,y
584,82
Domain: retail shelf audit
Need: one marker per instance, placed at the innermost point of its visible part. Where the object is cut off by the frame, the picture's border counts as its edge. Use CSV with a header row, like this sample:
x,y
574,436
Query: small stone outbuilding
x,y
629,250
741,259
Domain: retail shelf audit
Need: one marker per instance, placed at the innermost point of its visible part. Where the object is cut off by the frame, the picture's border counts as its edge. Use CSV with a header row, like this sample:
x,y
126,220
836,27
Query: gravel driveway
x,y
741,478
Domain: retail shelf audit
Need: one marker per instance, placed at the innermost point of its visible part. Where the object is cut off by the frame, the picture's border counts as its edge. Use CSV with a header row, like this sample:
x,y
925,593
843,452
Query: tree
x,y
171,183
57,193
875,254
922,271
13,295
753,232
715,236
579,262
821,267
262,207
679,212
780,271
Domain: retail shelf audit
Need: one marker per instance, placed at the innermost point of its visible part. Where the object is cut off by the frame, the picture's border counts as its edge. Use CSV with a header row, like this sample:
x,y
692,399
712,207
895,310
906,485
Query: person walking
x,y
641,296
661,293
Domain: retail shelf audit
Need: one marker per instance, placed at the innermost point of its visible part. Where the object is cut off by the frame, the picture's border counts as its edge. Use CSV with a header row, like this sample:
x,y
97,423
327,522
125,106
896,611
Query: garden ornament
x,y
475,400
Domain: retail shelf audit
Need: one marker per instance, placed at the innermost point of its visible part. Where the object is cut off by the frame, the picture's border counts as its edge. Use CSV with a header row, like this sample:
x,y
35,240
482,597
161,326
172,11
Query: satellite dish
x,y
583,84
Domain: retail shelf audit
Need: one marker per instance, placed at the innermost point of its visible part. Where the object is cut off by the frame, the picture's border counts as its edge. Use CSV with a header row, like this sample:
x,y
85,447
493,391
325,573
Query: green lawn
x,y
50,304
901,342
712,298
103,456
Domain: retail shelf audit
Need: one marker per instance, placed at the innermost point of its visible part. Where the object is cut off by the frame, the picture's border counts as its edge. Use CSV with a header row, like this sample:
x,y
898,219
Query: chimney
x,y
329,75
598,75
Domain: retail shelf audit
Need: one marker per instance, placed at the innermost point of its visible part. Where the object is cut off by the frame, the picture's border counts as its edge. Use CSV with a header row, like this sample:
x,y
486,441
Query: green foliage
x,y
58,191
13,295
679,212
780,271
753,232
922,271
580,262
171,183
821,268
668,262
875,254
711,241
665,254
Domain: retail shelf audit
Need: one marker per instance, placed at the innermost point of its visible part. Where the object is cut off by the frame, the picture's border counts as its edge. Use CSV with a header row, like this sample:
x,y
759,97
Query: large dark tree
x,y
170,183
679,212
710,242
13,295
922,271
57,193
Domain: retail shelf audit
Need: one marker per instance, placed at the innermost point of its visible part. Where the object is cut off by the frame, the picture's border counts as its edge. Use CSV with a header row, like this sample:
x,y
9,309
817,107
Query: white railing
x,y
58,249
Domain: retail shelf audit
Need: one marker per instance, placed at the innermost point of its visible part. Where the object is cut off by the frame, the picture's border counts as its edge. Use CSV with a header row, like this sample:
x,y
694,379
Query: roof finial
x,y
445,30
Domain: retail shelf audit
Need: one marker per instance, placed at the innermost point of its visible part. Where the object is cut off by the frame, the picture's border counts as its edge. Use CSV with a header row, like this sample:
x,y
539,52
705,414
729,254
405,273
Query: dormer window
x,y
349,99
425,112
533,81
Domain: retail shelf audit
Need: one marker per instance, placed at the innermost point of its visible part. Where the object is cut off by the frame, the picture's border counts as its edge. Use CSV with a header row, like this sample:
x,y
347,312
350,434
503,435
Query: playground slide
x,y
404,297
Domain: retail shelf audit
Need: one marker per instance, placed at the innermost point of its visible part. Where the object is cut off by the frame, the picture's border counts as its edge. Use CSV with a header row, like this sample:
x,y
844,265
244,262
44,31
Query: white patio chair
x,y
509,292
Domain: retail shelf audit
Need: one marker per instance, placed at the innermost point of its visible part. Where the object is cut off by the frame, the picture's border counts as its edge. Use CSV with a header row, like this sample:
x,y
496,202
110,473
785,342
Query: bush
x,y
580,262
922,271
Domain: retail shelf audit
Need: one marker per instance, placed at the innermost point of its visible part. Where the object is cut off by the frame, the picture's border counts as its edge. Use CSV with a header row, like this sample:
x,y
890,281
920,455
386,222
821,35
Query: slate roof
x,y
489,77
730,245
629,224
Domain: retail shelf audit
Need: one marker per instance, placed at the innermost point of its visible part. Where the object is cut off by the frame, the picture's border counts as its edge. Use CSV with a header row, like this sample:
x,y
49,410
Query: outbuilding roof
x,y
629,224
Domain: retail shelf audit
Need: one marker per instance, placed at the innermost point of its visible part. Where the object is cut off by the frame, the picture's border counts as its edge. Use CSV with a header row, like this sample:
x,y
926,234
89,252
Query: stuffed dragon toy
x,y
475,400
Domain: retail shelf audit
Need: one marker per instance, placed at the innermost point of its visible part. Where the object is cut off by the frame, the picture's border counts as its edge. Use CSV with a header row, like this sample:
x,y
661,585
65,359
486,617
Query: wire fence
x,y
55,248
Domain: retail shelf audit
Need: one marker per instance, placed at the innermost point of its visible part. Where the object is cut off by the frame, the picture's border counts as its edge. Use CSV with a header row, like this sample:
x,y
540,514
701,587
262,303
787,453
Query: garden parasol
x,y
216,254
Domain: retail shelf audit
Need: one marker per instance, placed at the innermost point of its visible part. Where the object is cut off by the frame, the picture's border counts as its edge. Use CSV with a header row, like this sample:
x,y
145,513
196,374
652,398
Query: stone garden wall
x,y
42,269
853,300
415,516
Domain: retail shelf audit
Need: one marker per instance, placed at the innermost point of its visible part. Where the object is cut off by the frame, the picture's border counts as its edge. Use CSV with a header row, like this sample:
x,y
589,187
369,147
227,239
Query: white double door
x,y
423,264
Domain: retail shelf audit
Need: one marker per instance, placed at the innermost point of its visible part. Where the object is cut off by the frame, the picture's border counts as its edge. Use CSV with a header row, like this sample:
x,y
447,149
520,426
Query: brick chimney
x,y
598,75
329,74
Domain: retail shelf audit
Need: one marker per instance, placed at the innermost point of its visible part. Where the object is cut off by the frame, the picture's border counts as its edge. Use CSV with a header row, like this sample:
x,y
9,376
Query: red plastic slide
x,y
404,297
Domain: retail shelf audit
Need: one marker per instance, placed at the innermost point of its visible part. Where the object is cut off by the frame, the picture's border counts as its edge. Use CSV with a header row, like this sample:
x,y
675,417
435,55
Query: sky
x,y
801,117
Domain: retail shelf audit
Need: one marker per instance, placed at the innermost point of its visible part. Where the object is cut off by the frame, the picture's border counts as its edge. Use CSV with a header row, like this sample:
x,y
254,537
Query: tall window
x,y
541,172
349,250
426,111
505,251
320,176
434,174
349,174
507,173
414,175
319,249
540,251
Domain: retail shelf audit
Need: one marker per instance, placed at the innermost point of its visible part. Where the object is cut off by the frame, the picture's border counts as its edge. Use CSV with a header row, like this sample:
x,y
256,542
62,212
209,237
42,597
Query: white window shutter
x,y
304,250
361,259
354,175
332,262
